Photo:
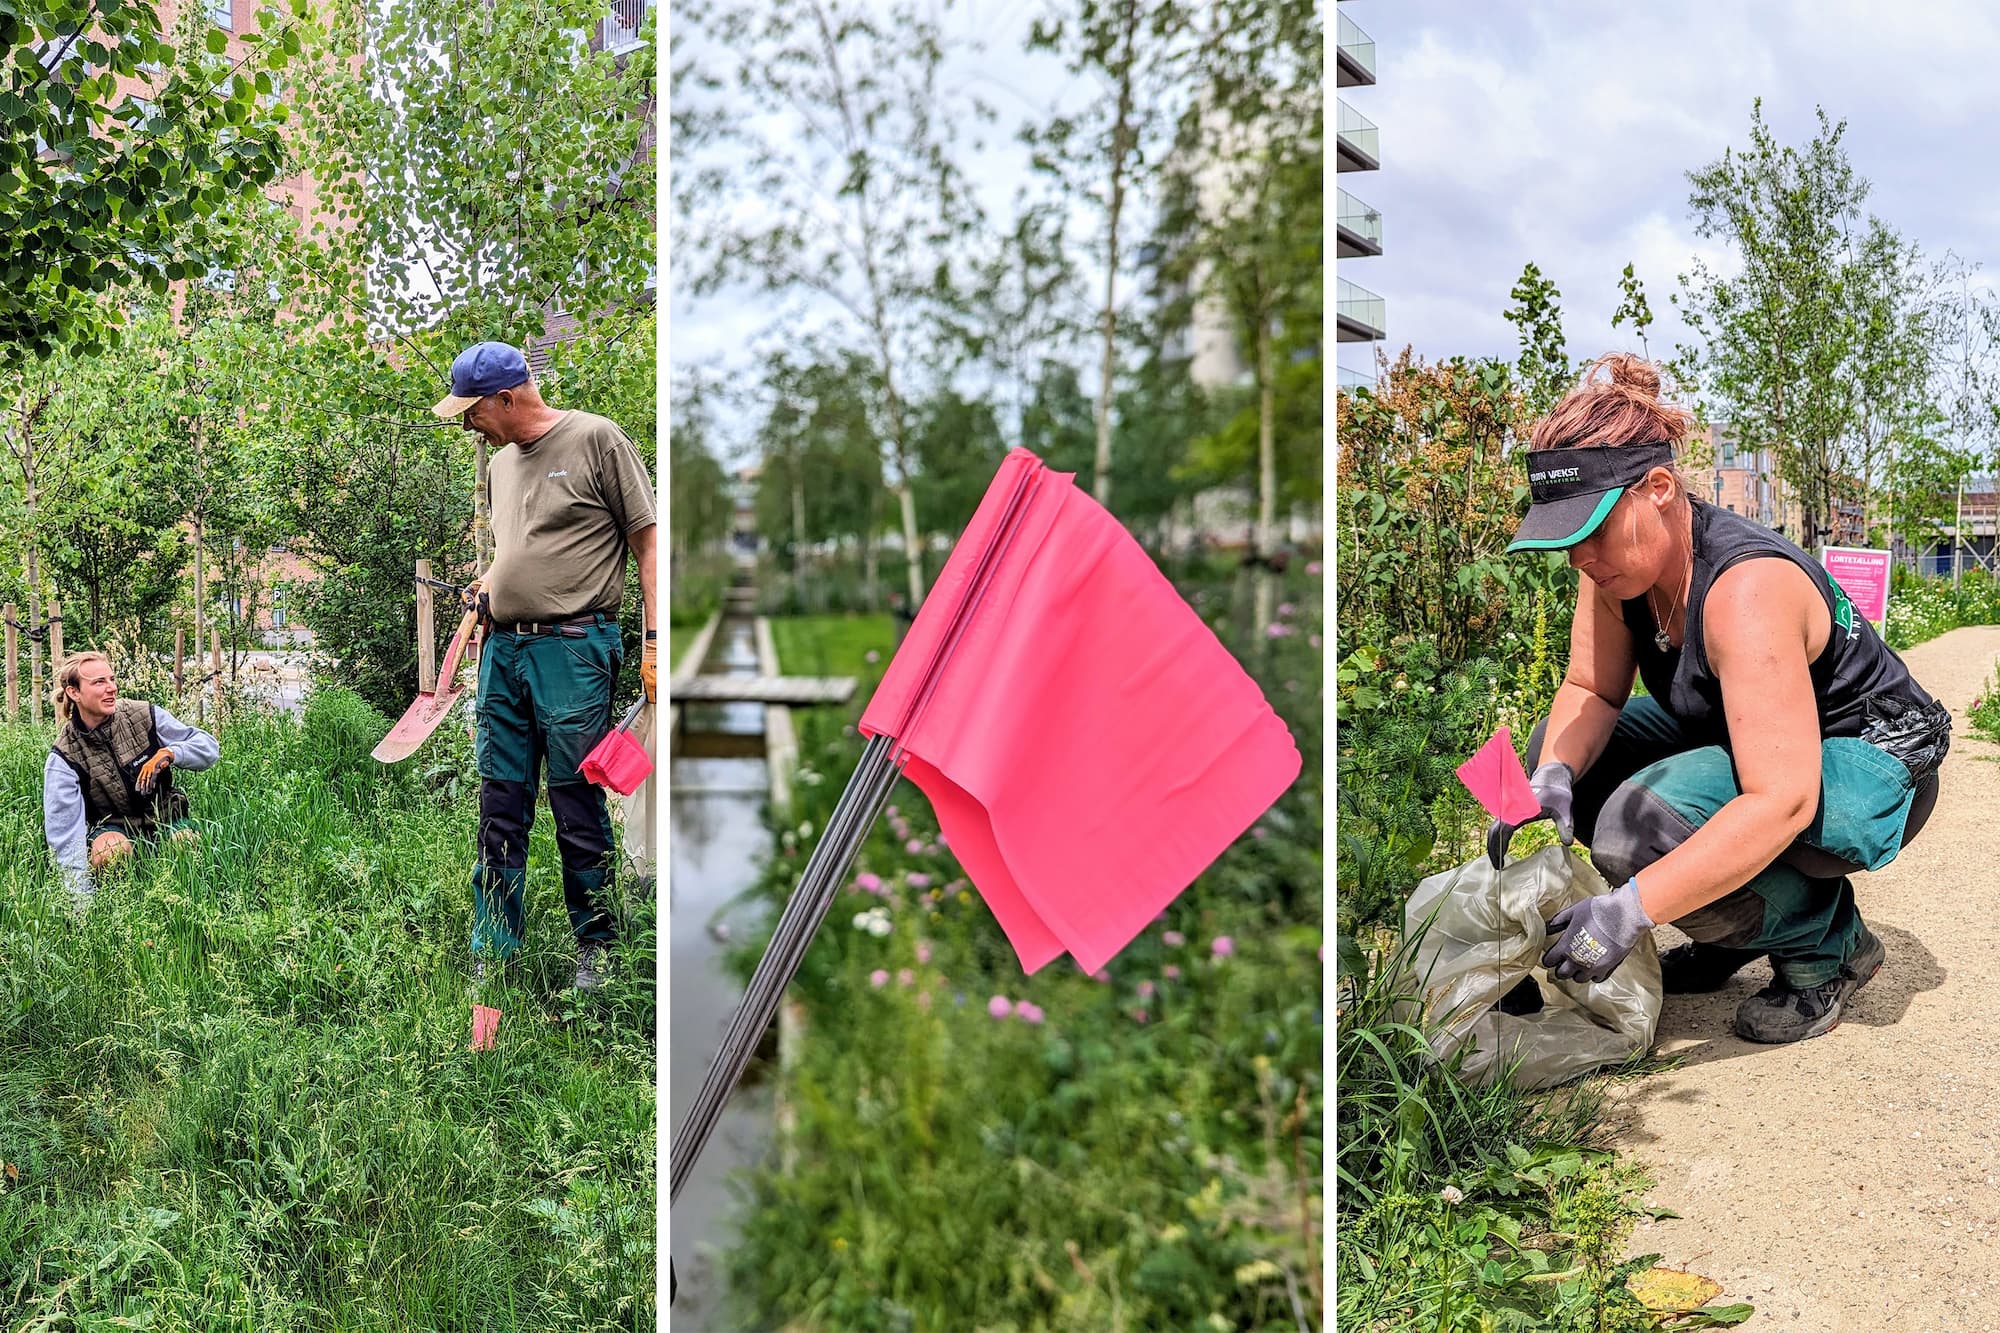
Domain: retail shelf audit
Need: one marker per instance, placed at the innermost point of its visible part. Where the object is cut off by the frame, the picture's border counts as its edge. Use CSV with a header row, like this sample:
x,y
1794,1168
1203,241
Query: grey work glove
x,y
1551,785
1597,933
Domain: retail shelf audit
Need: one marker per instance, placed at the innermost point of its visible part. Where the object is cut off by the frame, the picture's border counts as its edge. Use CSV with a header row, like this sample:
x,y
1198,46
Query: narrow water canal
x,y
718,785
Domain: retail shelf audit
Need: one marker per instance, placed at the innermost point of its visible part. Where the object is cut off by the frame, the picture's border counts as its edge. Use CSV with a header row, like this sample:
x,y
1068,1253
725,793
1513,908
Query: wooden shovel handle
x,y
454,650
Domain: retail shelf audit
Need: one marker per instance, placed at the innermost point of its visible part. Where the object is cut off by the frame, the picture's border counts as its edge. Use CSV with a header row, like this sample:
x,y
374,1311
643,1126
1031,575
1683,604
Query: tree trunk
x,y
35,620
914,544
871,557
1267,476
482,508
1121,147
200,591
798,522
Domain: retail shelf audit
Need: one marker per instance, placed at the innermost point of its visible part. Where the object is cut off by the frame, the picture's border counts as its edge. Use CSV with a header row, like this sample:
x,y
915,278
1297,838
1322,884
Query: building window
x,y
222,13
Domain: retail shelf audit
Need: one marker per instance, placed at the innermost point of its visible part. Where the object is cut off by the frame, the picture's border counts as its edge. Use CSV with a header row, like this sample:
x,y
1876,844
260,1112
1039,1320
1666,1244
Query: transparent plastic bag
x,y
1490,930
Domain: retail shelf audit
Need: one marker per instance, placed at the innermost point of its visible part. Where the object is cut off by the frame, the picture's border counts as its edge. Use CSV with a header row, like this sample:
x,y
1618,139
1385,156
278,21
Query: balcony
x,y
1359,228
1350,380
619,30
1360,141
1356,56
1361,315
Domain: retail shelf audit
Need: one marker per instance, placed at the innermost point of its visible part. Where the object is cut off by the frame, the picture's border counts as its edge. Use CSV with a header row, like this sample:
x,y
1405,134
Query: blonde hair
x,y
70,673
1625,408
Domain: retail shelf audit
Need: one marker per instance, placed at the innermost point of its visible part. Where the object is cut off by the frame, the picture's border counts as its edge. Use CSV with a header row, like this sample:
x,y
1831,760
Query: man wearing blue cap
x,y
570,497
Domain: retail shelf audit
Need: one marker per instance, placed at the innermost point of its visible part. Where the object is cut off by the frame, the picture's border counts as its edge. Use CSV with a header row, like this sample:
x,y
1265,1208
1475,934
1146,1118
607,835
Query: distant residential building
x,y
1360,315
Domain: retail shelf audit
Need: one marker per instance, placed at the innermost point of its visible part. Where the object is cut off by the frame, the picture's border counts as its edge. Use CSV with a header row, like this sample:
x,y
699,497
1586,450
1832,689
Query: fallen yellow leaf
x,y
1672,1290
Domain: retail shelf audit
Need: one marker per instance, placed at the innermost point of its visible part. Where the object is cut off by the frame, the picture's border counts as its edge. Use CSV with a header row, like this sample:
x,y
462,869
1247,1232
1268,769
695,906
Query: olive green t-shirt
x,y
563,509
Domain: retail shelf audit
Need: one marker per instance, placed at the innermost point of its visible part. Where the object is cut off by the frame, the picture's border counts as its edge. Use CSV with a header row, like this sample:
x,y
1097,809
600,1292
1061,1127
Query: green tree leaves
x,y
76,158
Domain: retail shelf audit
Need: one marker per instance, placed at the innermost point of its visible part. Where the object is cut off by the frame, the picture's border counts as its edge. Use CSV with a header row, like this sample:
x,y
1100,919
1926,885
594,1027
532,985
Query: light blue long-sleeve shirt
x,y
62,796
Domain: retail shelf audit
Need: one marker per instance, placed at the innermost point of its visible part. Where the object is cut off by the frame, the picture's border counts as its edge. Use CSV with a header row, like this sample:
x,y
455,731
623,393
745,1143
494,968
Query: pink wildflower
x,y
1313,569
923,951
915,847
868,882
878,978
905,977
1170,972
1222,946
999,1006
918,879
1028,1013
1146,990
1173,939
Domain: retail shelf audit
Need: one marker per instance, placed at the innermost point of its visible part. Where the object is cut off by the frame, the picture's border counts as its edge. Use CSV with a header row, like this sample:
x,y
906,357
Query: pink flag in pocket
x,y
1494,775
1088,744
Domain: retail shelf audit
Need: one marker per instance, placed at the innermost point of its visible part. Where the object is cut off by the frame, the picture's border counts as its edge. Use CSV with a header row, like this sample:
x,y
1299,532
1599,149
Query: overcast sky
x,y
1561,132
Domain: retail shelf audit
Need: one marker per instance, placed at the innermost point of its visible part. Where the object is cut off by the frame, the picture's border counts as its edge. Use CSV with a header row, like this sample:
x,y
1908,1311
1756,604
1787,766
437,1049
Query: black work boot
x,y
1780,1013
1696,969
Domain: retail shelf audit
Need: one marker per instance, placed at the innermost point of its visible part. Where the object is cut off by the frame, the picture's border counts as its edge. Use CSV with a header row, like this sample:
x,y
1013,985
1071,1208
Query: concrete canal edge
x,y
690,664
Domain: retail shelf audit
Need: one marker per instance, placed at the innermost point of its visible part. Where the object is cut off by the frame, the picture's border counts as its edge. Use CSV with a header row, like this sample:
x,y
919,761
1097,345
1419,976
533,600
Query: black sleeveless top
x,y
1855,667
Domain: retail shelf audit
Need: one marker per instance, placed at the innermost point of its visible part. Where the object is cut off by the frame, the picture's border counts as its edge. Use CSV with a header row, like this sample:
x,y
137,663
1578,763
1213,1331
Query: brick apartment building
x,y
1746,481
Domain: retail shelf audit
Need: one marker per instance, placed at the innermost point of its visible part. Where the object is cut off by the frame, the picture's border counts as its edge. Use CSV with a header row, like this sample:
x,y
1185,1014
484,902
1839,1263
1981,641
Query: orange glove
x,y
649,669
150,771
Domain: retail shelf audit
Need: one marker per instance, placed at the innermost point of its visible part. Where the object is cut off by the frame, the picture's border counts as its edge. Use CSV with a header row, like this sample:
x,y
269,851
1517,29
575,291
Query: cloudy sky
x,y
1562,132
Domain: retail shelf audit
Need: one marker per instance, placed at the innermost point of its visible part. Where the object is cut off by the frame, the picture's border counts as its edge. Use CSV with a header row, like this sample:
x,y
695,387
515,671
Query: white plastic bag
x,y
1490,931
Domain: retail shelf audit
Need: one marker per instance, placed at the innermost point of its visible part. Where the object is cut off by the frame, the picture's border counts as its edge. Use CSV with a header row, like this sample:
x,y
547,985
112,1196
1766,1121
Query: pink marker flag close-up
x,y
1088,744
1495,777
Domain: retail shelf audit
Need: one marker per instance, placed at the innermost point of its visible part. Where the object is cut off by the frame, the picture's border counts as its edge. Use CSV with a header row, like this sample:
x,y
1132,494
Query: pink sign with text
x,y
1864,576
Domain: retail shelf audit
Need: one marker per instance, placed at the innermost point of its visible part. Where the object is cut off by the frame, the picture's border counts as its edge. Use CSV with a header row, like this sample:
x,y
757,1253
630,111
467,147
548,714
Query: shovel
x,y
422,717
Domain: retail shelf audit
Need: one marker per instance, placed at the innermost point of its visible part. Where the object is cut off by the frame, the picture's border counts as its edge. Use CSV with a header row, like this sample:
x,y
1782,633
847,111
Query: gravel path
x,y
1853,1181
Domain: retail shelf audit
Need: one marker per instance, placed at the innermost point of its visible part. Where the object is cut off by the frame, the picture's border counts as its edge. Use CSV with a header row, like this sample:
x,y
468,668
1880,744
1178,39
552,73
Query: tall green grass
x,y
237,1094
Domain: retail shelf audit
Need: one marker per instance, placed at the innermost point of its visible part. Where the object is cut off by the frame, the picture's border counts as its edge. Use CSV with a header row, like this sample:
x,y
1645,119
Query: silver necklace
x,y
1661,638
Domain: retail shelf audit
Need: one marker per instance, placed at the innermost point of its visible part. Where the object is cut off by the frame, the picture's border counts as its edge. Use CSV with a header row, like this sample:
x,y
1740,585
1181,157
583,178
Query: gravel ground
x,y
1853,1181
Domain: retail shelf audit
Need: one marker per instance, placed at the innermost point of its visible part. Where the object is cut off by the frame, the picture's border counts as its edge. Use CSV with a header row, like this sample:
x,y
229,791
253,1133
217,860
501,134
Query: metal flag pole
x,y
867,792
826,869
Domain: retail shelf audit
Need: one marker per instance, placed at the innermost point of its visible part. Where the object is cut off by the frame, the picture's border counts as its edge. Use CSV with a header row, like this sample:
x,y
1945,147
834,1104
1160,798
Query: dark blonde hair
x,y
1625,408
70,673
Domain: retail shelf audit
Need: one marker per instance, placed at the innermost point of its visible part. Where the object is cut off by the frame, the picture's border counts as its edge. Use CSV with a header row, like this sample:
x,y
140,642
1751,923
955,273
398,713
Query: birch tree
x,y
1134,54
833,185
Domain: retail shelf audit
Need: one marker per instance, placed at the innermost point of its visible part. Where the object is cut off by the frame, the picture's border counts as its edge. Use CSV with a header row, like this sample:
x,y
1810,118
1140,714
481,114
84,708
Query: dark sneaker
x,y
590,965
1696,969
1778,1013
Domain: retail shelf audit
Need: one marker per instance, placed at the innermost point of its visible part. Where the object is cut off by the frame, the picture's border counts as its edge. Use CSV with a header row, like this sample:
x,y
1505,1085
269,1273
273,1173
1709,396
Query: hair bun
x,y
1631,372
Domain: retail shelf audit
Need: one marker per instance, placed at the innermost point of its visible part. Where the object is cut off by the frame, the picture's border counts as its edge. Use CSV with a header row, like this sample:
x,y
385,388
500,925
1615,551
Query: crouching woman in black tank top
x,y
1780,746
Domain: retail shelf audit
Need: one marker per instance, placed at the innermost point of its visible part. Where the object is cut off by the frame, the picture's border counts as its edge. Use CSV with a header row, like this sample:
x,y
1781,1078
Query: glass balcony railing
x,y
1357,45
1359,133
1350,380
1360,219
1362,306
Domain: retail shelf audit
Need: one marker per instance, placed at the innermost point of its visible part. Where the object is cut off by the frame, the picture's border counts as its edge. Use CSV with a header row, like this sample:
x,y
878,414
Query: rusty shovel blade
x,y
421,718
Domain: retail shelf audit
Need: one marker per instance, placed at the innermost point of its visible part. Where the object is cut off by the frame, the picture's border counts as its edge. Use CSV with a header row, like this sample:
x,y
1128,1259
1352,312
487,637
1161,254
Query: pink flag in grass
x,y
485,1026
1494,775
1087,743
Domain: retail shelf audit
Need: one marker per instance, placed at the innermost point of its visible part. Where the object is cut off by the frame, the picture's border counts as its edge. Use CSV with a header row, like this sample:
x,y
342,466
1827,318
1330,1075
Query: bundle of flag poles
x,y
1087,743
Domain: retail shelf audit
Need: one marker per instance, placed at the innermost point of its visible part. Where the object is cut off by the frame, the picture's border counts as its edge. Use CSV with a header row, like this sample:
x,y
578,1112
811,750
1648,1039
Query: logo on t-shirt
x,y
560,472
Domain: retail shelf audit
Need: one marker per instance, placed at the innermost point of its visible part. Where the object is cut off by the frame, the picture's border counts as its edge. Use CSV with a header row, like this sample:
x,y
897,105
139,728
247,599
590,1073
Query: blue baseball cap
x,y
481,369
